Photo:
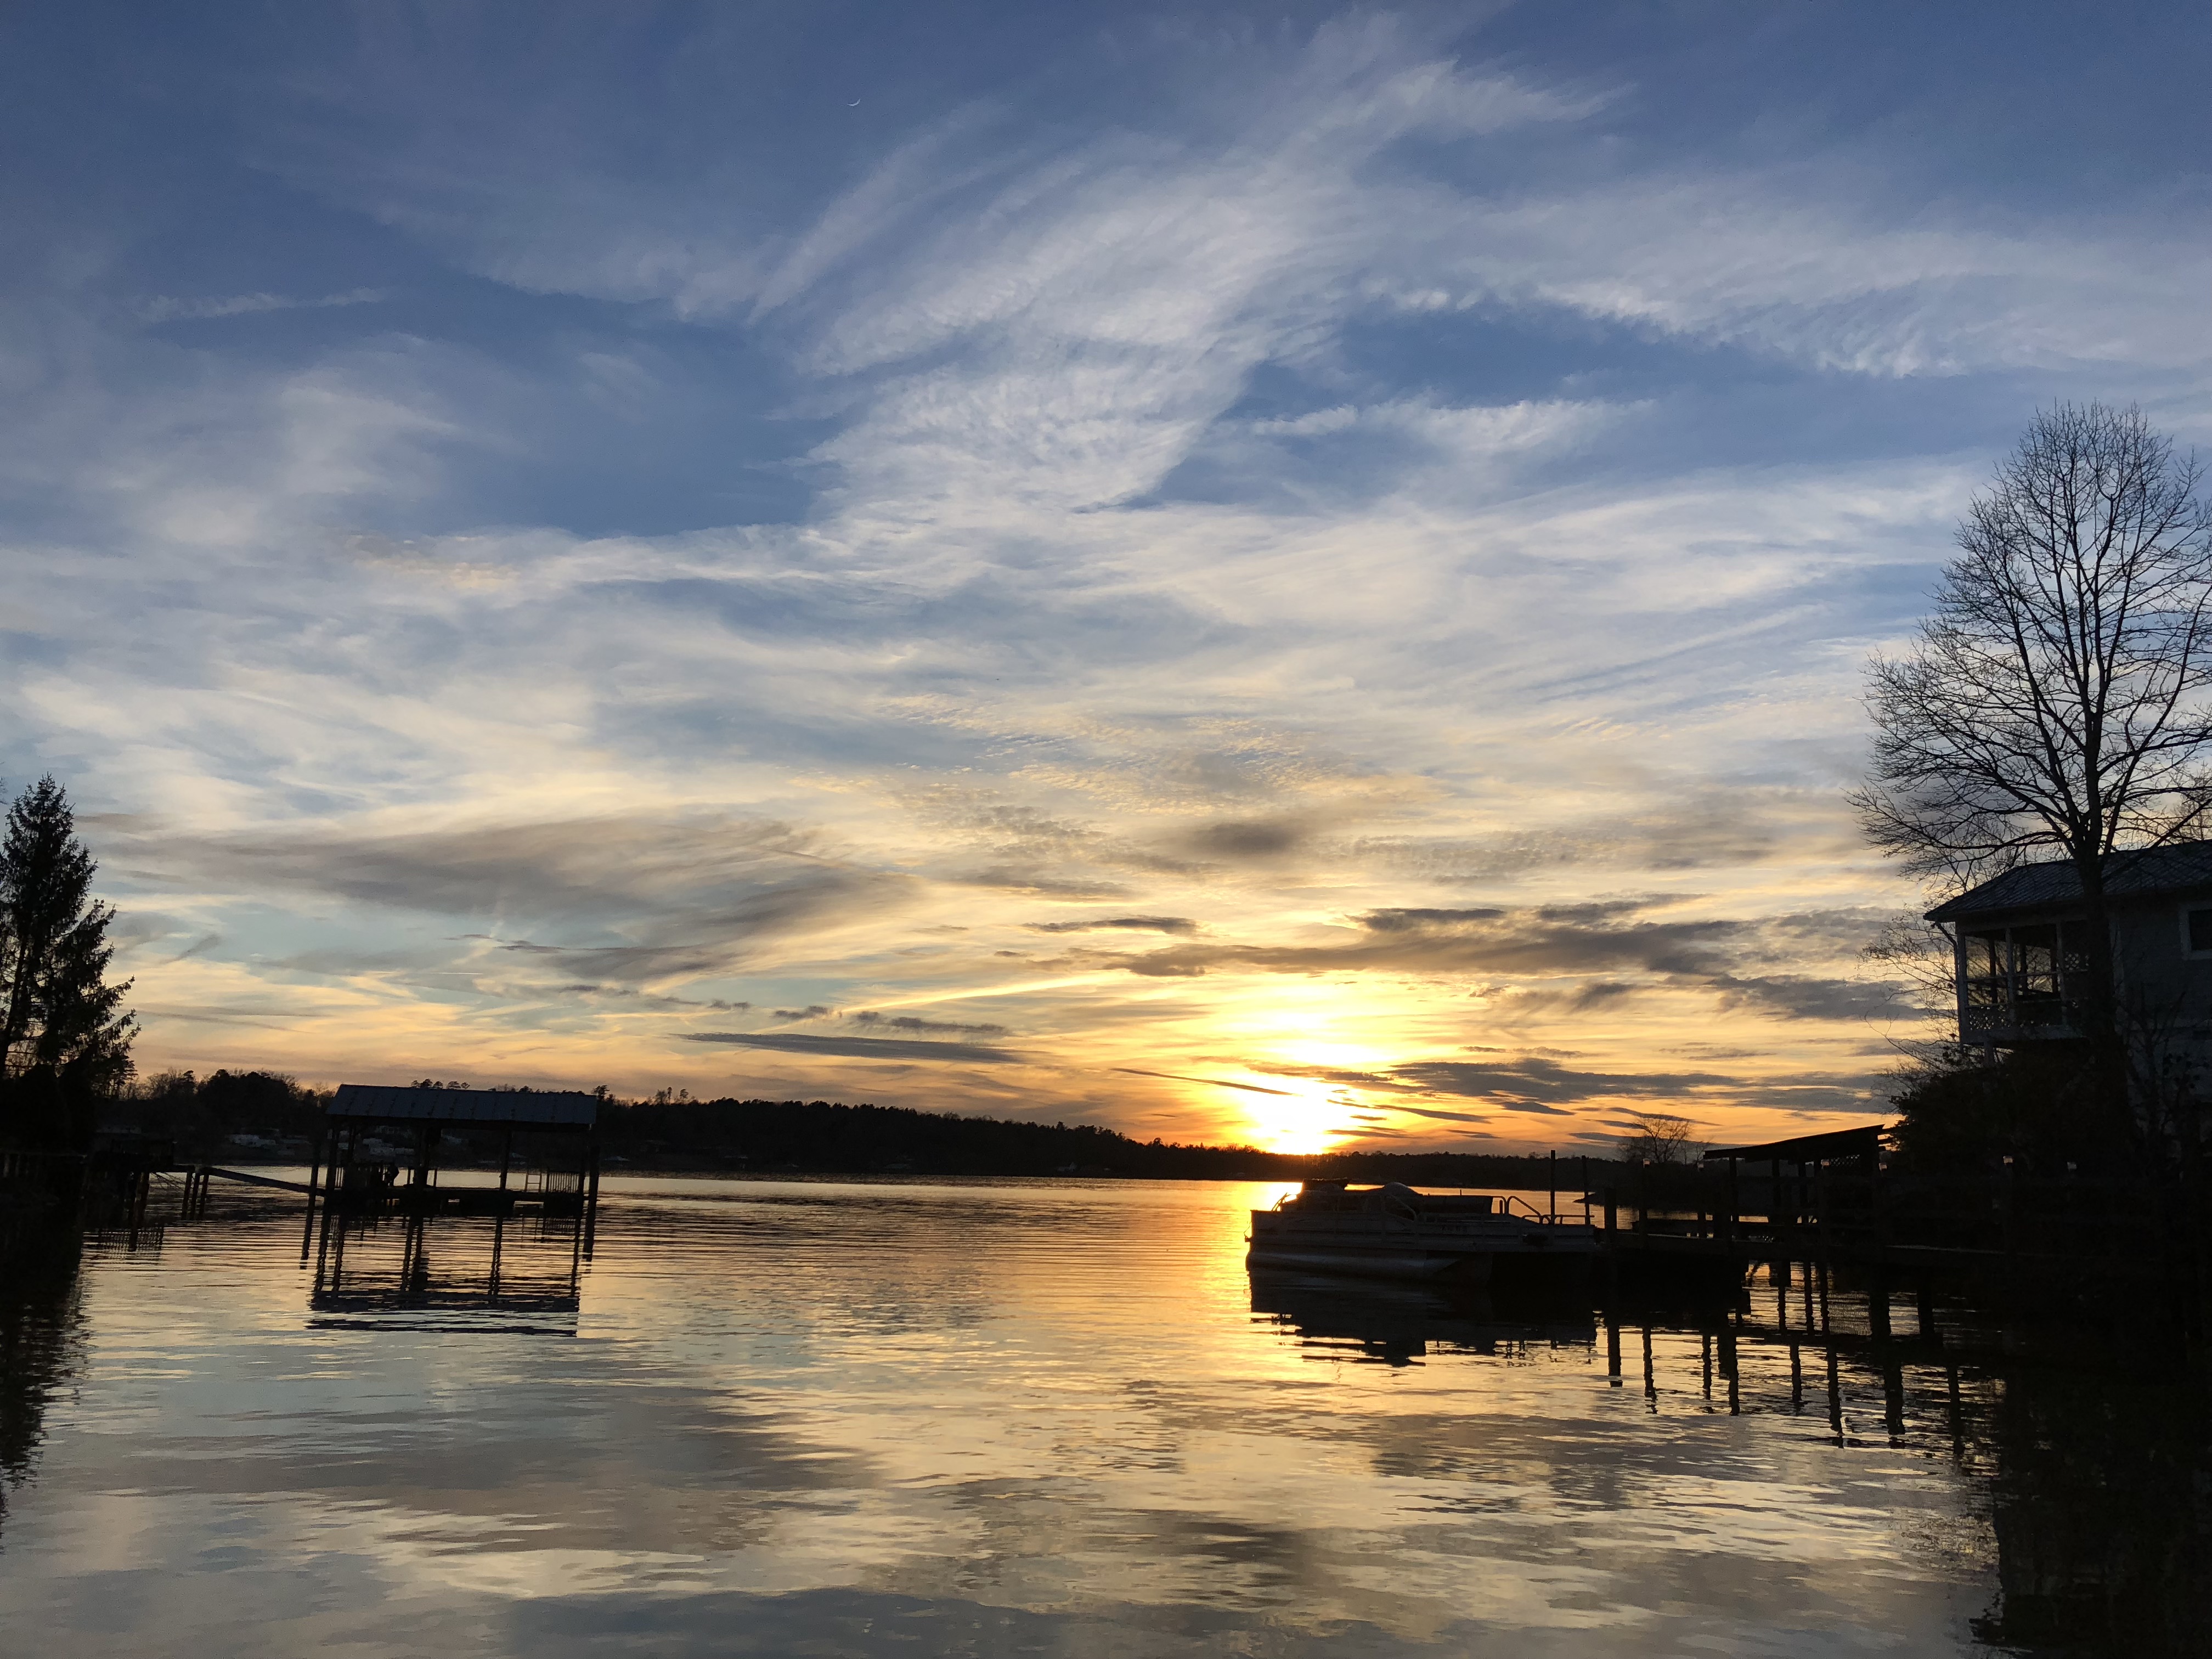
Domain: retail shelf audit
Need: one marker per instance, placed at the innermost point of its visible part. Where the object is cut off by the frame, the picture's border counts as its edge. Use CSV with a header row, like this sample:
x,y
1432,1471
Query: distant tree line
x,y
824,1137
202,1117
198,1115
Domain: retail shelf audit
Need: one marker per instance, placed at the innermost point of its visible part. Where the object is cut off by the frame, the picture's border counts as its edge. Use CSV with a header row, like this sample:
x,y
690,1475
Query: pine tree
x,y
64,1036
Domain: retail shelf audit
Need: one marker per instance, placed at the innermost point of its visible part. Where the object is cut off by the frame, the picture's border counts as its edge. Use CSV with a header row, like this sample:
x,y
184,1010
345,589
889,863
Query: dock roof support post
x,y
590,1219
314,1176
1878,1222
1820,1203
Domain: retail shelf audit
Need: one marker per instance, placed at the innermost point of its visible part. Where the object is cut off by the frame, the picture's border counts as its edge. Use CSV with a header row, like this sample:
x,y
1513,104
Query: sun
x,y
1304,1117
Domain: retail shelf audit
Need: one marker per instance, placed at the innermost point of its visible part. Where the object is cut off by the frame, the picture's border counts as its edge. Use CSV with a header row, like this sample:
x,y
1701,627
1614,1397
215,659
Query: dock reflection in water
x,y
989,1418
492,1271
1399,1324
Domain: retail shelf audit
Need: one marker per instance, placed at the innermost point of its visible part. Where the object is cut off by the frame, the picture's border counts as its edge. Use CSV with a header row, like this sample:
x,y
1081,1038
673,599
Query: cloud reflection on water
x,y
936,1417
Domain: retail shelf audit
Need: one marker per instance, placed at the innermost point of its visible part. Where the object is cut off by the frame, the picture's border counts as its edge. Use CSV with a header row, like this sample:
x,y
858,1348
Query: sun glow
x,y
1306,1116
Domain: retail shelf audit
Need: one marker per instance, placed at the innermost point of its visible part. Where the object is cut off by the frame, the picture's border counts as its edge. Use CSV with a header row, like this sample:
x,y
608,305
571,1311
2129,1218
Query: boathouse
x,y
382,1145
2020,949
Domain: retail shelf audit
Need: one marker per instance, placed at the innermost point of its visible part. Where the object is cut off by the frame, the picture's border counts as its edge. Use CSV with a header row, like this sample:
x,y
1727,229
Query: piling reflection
x,y
1815,1349
2092,1442
496,1272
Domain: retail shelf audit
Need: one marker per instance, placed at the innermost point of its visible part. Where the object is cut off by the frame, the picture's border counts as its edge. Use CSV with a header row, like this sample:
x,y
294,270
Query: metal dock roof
x,y
518,1107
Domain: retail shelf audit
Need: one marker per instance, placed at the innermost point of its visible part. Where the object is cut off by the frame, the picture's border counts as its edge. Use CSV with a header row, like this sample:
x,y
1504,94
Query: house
x,y
2020,949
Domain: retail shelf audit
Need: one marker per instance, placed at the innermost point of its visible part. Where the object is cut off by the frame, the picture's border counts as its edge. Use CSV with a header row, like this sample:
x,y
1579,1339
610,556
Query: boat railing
x,y
1510,1211
1508,1204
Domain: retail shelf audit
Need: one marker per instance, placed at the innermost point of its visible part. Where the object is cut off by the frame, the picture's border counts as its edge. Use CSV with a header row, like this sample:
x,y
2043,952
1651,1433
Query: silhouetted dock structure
x,y
1820,1203
359,1164
378,1165
1813,1198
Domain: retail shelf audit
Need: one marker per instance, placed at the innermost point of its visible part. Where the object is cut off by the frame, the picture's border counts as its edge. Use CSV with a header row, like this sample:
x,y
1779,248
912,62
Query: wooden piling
x,y
314,1177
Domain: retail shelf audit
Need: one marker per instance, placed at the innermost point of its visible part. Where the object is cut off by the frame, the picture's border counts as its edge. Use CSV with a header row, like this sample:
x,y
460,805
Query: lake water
x,y
960,1418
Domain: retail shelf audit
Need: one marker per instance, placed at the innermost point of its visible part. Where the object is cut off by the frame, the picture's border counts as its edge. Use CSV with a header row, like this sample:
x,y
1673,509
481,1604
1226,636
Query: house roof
x,y
1864,1141
2135,874
521,1108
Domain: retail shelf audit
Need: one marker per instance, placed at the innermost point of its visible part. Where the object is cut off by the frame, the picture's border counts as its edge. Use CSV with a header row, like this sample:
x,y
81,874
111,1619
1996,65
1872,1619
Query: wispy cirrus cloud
x,y
1210,1082
1116,924
845,1047
920,1027
1602,937
169,308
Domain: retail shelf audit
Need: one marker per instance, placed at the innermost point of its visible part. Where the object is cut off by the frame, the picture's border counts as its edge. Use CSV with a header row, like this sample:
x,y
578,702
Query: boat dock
x,y
1818,1203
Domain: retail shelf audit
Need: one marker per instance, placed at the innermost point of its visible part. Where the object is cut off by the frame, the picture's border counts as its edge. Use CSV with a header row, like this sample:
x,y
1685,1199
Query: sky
x,y
1279,574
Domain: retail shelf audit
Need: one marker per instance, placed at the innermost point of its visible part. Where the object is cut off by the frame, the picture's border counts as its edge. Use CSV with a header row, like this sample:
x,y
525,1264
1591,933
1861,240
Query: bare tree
x,y
2055,698
1659,1137
1916,959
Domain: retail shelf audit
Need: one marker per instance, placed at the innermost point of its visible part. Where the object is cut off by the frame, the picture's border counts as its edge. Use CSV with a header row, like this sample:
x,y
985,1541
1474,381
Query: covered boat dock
x,y
380,1150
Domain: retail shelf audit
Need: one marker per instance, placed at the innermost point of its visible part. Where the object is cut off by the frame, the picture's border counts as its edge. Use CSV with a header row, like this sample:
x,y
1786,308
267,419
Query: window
x,y
2035,975
1988,998
2196,929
